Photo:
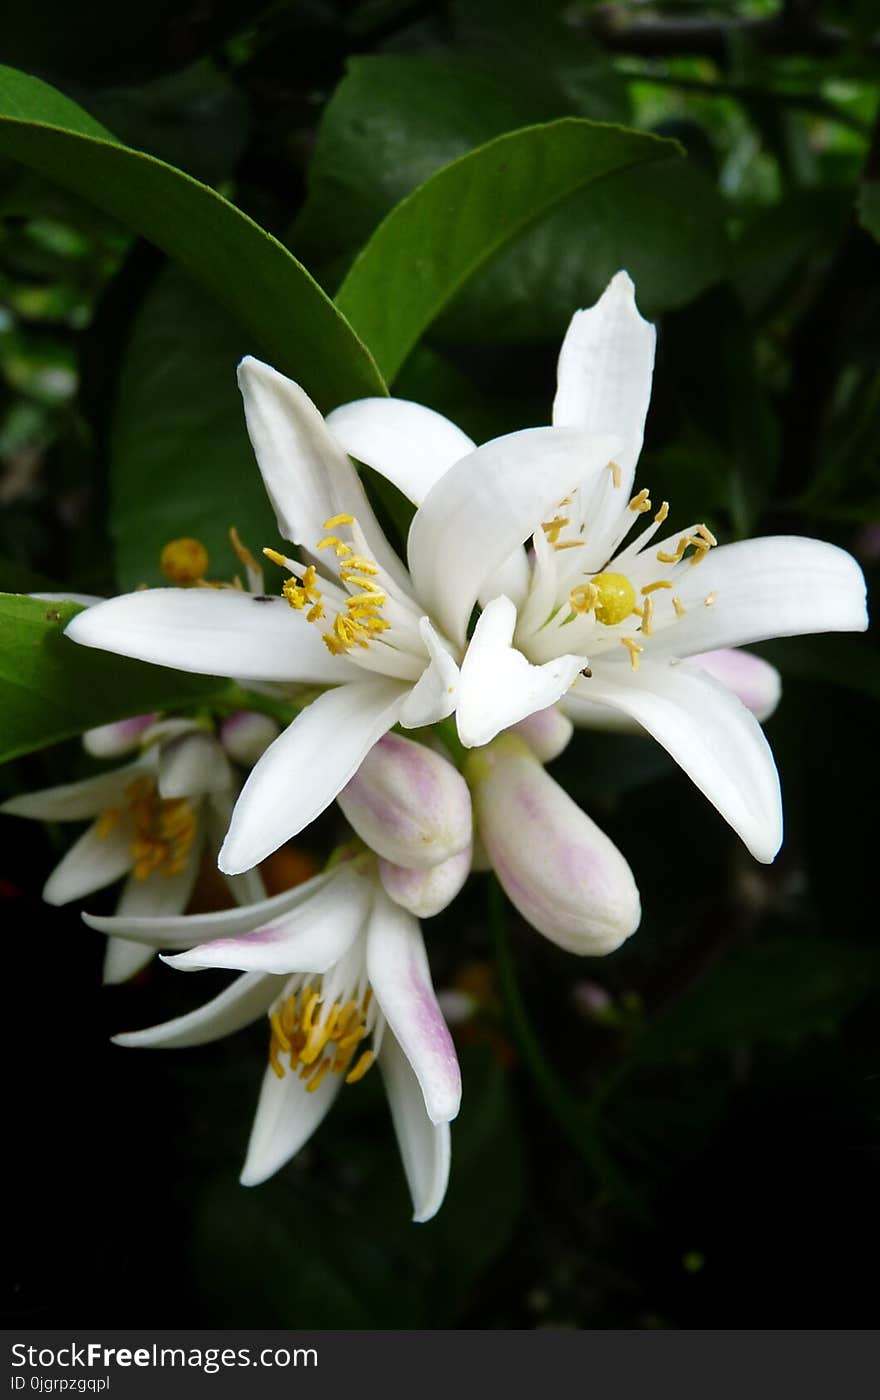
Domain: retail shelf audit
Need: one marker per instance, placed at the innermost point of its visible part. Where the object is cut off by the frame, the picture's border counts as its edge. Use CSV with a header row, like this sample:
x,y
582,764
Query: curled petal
x,y
408,444
397,966
117,739
287,1115
498,686
244,1001
424,1146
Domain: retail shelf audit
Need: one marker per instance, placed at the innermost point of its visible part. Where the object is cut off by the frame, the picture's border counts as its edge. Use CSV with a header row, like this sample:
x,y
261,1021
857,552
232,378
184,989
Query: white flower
x,y
563,874
585,615
357,620
343,976
149,824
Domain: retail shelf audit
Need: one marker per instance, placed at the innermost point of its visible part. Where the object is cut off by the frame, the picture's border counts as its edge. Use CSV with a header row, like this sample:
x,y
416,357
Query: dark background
x,y
684,1134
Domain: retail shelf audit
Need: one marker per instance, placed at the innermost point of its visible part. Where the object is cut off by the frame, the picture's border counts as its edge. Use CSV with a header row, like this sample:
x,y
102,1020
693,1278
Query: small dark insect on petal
x,y
53,616
587,672
263,598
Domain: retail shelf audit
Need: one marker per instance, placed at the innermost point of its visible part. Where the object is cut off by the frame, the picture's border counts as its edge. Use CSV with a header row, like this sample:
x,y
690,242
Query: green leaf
x,y
452,225
869,207
180,459
281,309
51,689
776,991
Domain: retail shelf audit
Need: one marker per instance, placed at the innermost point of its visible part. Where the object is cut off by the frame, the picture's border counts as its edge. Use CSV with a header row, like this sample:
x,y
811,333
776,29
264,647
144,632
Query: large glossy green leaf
x,y
180,459
51,689
432,243
282,311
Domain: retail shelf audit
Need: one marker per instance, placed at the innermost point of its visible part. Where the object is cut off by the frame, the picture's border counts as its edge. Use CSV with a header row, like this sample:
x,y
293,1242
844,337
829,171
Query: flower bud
x,y
546,732
560,871
409,804
752,679
115,740
246,736
426,892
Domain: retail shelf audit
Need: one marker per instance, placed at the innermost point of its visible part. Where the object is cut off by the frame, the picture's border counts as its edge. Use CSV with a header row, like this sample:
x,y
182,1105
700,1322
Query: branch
x,y
792,30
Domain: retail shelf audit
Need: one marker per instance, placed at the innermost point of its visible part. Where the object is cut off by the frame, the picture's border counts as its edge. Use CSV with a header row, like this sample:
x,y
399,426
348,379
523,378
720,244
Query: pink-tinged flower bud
x,y
115,740
426,892
246,736
754,681
563,874
546,732
409,804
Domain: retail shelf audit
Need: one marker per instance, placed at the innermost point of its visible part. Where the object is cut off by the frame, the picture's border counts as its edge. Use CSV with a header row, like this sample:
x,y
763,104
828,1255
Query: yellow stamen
x,y
362,565
647,614
641,502
275,557
106,823
679,606
634,650
583,598
569,544
652,587
662,513
316,1078
552,528
709,599
616,474
335,520
361,1067
242,550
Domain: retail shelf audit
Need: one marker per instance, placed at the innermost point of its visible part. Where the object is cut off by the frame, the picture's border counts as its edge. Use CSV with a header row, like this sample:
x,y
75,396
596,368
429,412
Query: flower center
x,y
318,1039
359,621
164,829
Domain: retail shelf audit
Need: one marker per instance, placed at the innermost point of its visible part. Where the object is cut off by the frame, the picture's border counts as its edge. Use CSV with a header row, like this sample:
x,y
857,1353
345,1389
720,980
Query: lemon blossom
x,y
149,822
352,617
342,974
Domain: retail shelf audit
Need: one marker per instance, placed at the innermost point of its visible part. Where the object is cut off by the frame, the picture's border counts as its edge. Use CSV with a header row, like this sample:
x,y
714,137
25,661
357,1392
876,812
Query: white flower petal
x,y
117,739
301,773
213,632
245,1000
91,863
408,444
485,506
780,586
397,966
605,368
310,938
124,959
711,734
424,1146
498,687
547,733
306,474
752,679
287,1115
246,735
74,802
513,579
426,892
192,766
186,931
433,696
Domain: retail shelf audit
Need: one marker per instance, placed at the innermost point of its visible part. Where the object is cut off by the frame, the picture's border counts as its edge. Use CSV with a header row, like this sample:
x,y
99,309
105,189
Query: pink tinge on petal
x,y
754,681
120,737
546,732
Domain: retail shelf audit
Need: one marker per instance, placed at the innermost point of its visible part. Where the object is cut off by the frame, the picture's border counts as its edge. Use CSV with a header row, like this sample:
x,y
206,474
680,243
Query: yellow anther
x,y
569,544
641,502
275,557
616,474
361,1067
706,534
274,1061
647,615
334,542
315,1080
106,823
616,598
280,1033
552,528
652,587
362,565
365,582
662,513
709,599
315,612
634,650
184,561
700,544
583,598
335,520
679,606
